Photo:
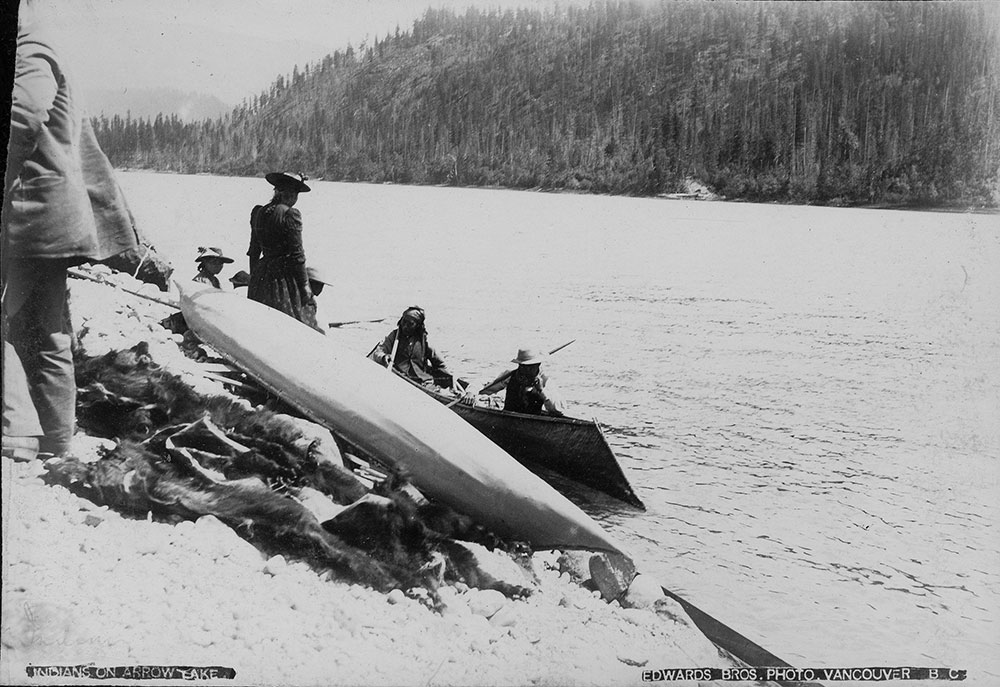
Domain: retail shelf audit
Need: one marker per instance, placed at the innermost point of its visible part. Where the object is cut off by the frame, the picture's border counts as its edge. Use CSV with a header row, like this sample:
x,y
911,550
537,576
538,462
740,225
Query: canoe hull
x,y
574,448
389,419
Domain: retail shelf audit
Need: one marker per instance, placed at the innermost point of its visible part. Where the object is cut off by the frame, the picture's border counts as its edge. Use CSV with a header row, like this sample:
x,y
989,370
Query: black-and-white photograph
x,y
500,342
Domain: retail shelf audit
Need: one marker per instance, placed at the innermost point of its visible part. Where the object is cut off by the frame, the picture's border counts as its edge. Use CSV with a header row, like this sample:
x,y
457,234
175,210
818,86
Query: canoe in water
x,y
574,448
389,419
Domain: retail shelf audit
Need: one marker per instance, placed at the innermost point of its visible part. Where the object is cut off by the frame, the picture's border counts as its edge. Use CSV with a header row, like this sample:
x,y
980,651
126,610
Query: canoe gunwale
x,y
564,420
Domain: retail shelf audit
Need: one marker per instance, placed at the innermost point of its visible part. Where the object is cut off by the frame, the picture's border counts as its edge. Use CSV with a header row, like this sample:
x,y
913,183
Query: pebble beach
x,y
83,584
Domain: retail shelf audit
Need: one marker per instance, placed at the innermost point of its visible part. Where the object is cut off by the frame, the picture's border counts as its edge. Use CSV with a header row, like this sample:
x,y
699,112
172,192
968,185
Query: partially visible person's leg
x,y
40,335
21,428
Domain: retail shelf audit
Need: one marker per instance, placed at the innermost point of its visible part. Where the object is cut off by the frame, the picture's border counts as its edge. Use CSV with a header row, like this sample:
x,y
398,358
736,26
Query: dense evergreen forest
x,y
802,102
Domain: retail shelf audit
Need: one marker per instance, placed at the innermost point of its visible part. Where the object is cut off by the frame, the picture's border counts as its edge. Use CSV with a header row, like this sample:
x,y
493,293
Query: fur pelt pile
x,y
181,456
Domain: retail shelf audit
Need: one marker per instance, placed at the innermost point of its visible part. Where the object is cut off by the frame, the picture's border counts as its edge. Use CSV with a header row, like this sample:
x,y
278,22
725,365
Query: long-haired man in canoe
x,y
406,346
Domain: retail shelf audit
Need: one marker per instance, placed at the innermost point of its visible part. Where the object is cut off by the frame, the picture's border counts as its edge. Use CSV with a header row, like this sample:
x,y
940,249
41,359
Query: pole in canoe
x,y
392,356
499,382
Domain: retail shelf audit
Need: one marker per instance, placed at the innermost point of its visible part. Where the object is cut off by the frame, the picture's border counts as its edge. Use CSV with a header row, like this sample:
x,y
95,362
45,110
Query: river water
x,y
806,399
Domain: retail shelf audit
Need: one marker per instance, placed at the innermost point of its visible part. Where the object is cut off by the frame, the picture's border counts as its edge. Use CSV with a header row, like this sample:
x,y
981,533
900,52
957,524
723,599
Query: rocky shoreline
x,y
84,584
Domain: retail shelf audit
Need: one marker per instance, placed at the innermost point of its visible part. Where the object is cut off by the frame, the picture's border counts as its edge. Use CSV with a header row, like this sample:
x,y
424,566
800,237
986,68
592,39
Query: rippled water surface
x,y
807,399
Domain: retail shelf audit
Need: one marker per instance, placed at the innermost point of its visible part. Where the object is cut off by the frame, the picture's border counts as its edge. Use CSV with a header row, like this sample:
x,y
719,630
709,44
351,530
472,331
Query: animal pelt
x,y
213,456
386,547
399,531
125,395
428,518
134,480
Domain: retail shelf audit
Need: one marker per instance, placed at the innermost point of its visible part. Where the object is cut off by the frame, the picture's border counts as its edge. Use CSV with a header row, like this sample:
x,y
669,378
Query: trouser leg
x,y
21,428
40,336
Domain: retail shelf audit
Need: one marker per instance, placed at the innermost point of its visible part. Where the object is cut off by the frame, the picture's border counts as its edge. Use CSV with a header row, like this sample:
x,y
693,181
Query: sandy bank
x,y
83,584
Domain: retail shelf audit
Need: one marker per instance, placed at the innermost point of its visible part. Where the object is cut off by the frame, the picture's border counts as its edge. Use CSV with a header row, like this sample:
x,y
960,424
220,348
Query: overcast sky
x,y
228,48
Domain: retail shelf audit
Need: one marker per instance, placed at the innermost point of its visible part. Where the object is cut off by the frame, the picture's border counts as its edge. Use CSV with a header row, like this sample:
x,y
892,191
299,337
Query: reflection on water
x,y
806,399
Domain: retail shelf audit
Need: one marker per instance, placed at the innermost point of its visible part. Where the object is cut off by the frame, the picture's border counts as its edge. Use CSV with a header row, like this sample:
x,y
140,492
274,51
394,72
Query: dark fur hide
x,y
135,481
429,528
124,395
262,463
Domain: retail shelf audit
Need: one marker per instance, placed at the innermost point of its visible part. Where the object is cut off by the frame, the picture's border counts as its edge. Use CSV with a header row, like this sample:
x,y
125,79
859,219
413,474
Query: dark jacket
x,y
278,262
276,235
415,358
527,395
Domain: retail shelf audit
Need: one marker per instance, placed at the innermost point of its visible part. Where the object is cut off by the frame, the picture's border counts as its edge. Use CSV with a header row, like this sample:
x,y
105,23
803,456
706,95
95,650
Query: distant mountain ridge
x,y
147,103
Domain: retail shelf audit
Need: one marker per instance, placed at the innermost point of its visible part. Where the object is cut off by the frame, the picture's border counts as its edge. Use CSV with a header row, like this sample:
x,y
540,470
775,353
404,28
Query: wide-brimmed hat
x,y
241,278
528,356
316,274
208,252
283,181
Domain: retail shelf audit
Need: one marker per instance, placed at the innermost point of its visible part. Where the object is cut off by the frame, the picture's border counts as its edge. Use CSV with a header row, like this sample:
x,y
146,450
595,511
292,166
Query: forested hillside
x,y
804,102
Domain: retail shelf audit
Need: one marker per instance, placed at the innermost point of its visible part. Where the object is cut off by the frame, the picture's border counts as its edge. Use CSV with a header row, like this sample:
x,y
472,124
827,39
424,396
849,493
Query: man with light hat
x,y
526,391
317,282
317,279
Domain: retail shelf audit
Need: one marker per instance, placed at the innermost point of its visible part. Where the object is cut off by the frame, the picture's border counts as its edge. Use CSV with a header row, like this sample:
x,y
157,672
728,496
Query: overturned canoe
x,y
576,449
389,419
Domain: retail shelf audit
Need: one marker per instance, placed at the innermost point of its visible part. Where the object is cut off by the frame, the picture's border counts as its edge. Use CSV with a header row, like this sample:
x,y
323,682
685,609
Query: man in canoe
x,y
411,355
526,392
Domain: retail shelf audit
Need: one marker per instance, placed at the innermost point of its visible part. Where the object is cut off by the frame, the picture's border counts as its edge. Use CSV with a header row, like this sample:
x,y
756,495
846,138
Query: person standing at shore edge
x,y
278,275
61,208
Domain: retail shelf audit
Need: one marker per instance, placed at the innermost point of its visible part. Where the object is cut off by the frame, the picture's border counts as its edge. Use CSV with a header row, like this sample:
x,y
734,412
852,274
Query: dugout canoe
x,y
389,419
574,448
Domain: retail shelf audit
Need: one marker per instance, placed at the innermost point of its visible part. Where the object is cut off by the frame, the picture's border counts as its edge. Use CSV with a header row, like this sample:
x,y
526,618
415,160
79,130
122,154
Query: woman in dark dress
x,y
277,261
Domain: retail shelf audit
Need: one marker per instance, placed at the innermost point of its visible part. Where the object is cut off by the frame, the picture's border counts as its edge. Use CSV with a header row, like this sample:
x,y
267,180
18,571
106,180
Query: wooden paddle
x,y
334,325
498,383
